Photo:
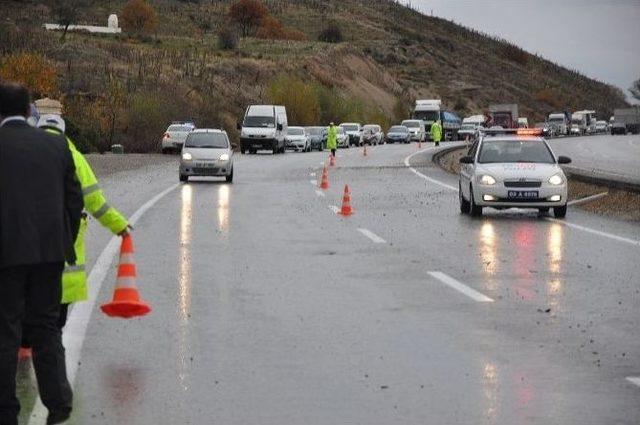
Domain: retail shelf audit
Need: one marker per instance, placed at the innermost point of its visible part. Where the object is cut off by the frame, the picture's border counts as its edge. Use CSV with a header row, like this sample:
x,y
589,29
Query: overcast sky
x,y
599,38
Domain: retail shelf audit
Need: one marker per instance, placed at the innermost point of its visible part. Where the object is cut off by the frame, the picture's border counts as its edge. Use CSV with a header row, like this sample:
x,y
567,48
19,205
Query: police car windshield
x,y
207,140
512,151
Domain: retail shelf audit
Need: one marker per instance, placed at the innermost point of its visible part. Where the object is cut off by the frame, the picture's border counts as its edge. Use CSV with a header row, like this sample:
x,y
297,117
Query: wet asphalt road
x,y
271,309
617,156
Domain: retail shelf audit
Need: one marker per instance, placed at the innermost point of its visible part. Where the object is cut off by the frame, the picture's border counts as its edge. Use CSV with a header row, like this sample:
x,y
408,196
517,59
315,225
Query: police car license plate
x,y
522,194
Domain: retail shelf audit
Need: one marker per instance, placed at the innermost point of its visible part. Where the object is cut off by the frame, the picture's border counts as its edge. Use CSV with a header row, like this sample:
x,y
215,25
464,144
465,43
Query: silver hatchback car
x,y
207,152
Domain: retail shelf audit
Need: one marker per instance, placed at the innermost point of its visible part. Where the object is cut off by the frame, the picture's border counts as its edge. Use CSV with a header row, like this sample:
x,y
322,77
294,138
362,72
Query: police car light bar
x,y
529,132
514,131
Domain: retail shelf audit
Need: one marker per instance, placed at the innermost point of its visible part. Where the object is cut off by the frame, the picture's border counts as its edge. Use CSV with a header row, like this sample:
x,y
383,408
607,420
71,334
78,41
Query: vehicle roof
x,y
371,125
208,130
298,126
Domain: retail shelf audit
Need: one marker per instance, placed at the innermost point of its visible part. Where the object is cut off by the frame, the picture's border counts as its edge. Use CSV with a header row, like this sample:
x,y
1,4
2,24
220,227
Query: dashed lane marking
x,y
634,380
320,193
335,209
375,238
313,182
312,174
460,287
564,222
79,316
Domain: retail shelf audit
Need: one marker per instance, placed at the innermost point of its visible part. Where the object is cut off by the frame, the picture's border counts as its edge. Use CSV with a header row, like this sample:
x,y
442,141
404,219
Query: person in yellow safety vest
x,y
74,278
332,139
436,132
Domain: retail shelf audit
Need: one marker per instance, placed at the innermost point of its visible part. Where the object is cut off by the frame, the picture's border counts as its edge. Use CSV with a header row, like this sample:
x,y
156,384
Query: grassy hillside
x,y
125,89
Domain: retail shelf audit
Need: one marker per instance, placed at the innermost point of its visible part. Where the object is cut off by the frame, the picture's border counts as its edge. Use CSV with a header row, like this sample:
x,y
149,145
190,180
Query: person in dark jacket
x,y
40,209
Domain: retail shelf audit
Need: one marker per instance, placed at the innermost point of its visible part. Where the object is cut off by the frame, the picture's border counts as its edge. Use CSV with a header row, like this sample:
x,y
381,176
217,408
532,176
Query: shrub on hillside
x,y
549,97
248,15
32,71
227,38
514,54
331,34
138,17
298,97
272,29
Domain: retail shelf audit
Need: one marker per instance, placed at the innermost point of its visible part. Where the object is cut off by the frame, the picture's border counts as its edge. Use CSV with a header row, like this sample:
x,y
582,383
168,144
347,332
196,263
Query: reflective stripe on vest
x,y
74,268
90,189
102,210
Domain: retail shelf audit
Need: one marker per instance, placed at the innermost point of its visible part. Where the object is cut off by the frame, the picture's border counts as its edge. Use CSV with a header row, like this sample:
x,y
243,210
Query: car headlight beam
x,y
487,179
556,180
187,156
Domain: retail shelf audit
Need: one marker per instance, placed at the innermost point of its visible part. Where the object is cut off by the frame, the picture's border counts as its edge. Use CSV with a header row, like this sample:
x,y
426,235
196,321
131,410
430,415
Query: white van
x,y
264,128
417,130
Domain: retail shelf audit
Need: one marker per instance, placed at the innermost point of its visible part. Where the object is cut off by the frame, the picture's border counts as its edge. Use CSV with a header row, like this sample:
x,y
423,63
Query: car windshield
x,y
253,121
515,151
559,119
468,126
350,127
207,140
541,125
370,128
411,124
398,129
314,131
295,131
179,128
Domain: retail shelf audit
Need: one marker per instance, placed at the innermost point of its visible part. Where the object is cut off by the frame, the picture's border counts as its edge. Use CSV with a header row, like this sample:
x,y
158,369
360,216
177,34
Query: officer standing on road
x,y
74,278
436,132
332,139
40,208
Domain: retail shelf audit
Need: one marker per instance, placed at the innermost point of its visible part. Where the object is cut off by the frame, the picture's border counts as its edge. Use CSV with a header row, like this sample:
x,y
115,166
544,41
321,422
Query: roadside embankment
x,y
622,200
107,164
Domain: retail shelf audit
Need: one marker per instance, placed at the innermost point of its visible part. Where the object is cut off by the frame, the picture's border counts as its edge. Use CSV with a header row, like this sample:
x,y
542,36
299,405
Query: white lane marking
x,y
313,182
588,198
335,209
595,232
461,287
321,162
320,193
634,380
566,223
375,238
312,174
80,314
419,174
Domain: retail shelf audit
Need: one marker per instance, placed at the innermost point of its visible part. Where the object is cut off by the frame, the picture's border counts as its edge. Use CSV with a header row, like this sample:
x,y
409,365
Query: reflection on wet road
x,y
184,284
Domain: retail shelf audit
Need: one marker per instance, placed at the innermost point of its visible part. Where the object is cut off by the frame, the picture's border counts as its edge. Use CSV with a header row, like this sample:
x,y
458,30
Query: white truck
x,y
470,126
578,124
590,118
626,120
430,111
560,122
264,127
504,115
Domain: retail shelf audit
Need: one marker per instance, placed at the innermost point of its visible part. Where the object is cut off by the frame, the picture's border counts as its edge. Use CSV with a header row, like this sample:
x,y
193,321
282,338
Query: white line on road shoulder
x,y
587,198
76,327
634,380
320,193
375,238
335,209
419,174
460,287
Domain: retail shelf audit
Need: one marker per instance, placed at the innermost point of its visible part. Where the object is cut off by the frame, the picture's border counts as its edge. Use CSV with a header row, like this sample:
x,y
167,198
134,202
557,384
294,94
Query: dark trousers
x,y
333,152
30,299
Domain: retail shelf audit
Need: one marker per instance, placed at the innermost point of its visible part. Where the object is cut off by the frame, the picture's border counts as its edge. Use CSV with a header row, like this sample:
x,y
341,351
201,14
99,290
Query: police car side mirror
x,y
466,160
564,160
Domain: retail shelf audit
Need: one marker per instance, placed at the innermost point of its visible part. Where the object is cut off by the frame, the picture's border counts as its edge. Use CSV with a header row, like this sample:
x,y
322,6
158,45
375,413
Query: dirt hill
x,y
125,89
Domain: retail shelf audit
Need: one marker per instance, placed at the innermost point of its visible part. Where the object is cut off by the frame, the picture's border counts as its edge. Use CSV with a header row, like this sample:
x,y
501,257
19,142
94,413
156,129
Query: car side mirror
x,y
466,160
280,127
564,160
239,125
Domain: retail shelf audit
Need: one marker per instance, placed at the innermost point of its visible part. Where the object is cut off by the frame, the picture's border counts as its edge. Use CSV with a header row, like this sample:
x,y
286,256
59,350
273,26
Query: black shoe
x,y
58,416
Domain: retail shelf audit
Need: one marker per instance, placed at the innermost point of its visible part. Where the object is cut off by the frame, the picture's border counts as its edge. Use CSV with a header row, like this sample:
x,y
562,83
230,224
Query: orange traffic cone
x,y
126,299
346,202
332,160
364,151
324,181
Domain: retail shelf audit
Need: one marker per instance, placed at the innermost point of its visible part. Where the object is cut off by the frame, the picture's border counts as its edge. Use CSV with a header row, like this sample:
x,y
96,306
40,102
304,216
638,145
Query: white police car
x,y
512,169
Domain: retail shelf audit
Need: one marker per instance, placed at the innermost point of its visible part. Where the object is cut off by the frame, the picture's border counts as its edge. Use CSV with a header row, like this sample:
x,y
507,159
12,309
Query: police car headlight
x,y
556,180
187,156
224,157
487,179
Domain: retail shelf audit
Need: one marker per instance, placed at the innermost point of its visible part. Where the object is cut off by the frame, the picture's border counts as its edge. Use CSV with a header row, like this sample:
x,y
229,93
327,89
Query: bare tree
x,y
66,12
635,89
